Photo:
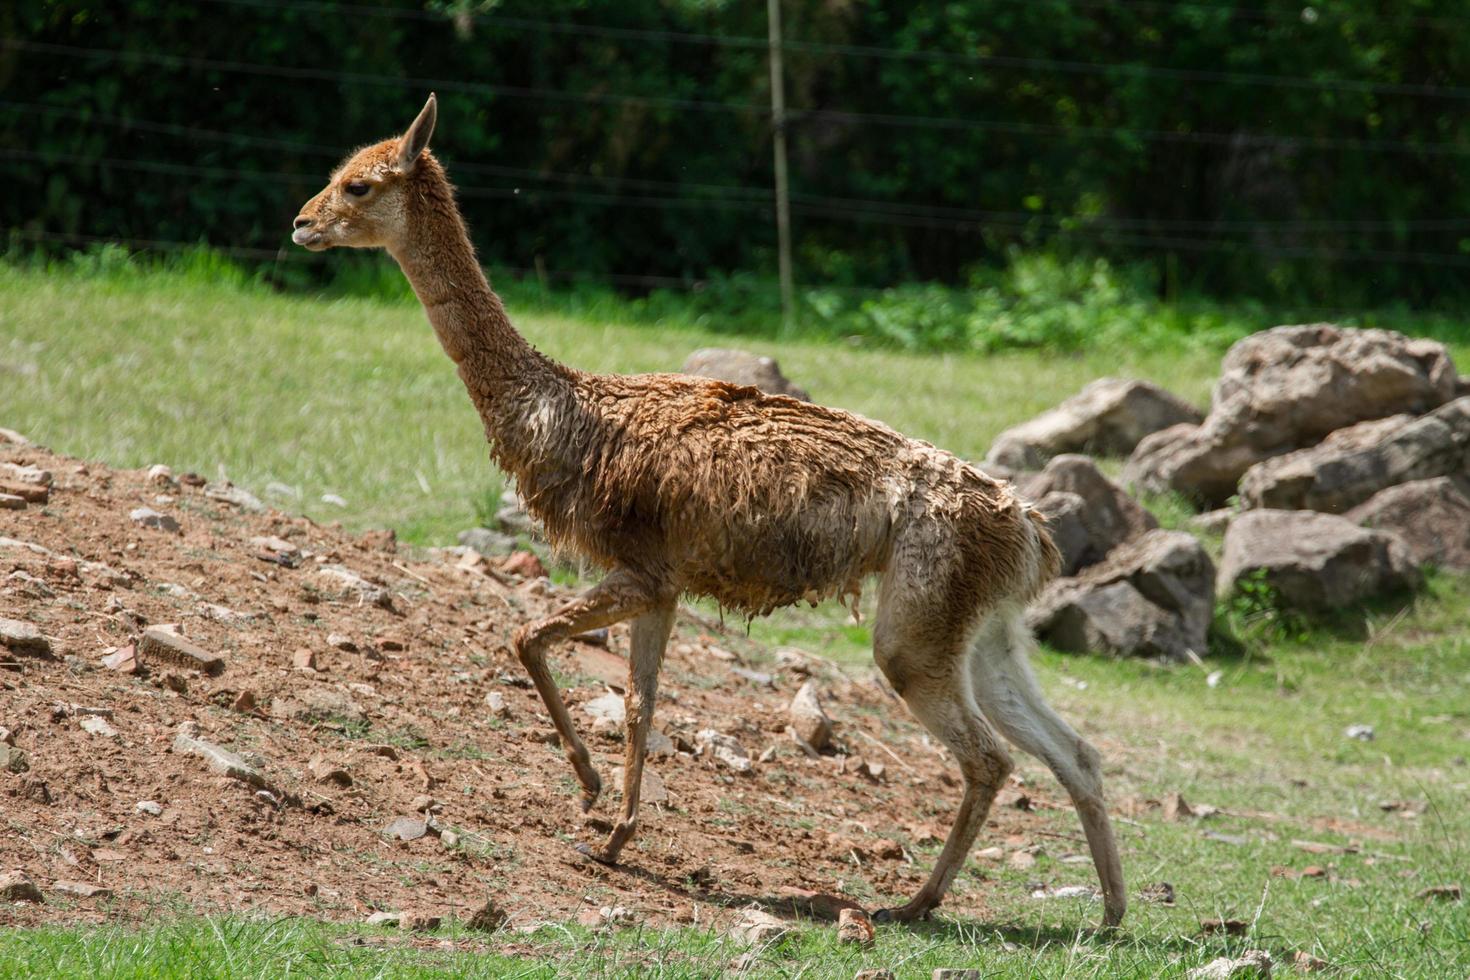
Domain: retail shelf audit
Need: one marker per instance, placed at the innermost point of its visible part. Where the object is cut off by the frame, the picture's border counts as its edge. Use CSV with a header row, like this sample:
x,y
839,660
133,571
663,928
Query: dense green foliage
x,y
1263,149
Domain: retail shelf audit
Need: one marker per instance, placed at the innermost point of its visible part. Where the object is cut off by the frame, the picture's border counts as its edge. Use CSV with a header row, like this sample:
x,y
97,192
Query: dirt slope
x,y
398,705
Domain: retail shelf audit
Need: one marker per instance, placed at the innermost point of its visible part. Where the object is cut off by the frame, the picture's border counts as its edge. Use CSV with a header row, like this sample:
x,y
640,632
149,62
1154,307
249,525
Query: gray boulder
x,y
742,368
1432,517
1064,519
1107,418
1314,561
1353,464
1285,389
1153,596
1109,516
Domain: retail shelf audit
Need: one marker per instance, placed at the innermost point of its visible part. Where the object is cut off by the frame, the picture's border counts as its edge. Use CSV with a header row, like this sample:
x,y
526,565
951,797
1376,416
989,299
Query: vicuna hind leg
x,y
1010,697
617,597
650,637
932,680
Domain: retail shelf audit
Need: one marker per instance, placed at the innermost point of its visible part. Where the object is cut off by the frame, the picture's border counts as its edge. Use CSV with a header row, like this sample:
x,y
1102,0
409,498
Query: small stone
x,y
373,595
23,638
13,759
26,474
383,918
757,677
16,887
1444,893
949,973
486,542
659,745
148,517
9,501
495,701
149,807
304,658
220,760
81,889
1307,963
1361,733
991,854
337,641
325,771
157,643
757,927
1176,808
854,926
874,975
334,499
227,493
449,838
407,828
423,803
1251,963
418,922
1230,927
31,493
244,702
724,749
160,475
525,564
124,660
1022,860
651,787
97,725
609,706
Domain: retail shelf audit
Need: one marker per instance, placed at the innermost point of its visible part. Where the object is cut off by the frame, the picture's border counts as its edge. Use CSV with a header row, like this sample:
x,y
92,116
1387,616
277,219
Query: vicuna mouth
x,y
308,237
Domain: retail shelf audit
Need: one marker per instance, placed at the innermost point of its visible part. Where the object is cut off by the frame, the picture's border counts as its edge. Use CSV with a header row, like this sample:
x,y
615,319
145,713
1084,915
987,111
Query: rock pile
x,y
1345,456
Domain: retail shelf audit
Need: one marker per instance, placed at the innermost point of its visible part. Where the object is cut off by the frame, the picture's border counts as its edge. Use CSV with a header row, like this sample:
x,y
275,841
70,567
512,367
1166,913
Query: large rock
x,y
1432,516
1108,516
1353,464
1107,418
1285,389
1153,596
742,368
1314,561
1064,519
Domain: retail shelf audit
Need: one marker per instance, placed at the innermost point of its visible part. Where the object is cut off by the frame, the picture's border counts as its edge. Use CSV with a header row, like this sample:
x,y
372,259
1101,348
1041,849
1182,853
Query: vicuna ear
x,y
416,140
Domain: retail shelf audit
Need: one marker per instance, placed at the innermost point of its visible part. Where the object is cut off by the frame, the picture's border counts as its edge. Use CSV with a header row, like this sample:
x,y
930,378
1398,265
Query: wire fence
x,y
534,187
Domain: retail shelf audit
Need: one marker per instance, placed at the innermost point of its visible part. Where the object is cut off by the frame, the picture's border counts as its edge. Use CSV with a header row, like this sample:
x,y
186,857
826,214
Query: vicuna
x,y
677,485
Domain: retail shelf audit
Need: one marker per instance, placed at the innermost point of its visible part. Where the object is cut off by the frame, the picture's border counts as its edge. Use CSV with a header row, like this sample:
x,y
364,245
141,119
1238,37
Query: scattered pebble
x,y
97,725
15,886
150,518
1251,963
220,760
854,926
1361,733
724,749
158,643
759,927
23,638
149,807
81,889
808,719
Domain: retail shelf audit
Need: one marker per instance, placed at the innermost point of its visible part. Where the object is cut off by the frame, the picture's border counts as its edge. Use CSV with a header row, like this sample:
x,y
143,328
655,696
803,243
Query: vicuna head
x,y
365,204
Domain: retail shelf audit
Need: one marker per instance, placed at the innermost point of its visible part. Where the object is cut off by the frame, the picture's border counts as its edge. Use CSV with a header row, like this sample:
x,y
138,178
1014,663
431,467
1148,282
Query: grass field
x,y
353,397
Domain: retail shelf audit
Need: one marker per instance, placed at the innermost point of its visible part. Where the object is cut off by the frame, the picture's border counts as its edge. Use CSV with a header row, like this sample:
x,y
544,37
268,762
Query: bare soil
x,y
404,715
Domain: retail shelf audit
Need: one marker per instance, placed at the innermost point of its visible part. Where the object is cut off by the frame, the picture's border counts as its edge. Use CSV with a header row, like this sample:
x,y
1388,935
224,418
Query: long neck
x,y
495,362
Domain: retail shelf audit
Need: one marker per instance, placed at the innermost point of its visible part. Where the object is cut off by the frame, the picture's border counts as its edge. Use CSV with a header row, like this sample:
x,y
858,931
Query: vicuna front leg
x,y
1010,697
650,637
617,597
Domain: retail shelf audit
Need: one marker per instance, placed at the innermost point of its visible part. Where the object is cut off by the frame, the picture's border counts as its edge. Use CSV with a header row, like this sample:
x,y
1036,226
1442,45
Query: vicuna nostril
x,y
301,223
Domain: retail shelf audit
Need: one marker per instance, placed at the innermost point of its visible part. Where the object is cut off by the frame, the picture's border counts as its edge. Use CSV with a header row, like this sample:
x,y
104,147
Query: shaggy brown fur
x,y
678,485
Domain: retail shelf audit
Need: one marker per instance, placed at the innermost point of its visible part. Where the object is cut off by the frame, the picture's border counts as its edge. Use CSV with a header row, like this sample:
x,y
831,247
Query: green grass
x,y
353,397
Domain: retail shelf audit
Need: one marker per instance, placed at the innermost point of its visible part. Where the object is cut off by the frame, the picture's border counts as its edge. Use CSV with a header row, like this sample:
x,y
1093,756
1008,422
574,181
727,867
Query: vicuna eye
x,y
358,188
